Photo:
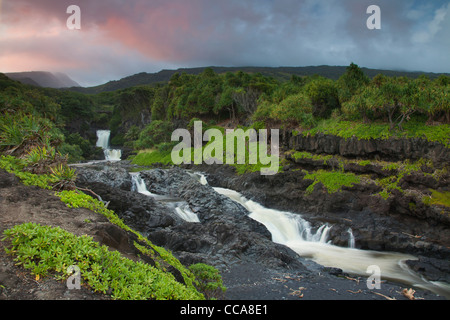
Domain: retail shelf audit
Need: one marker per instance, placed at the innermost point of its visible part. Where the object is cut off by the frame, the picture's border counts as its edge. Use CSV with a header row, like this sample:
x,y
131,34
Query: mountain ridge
x,y
43,79
280,73
62,81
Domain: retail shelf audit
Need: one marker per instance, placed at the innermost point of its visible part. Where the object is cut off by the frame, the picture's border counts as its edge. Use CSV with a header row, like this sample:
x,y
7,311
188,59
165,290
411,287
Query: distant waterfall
x,y
103,142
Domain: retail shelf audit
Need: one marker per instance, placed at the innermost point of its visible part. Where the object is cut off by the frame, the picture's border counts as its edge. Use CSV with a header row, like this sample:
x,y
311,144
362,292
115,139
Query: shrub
x,y
155,133
324,97
209,280
332,180
65,177
293,109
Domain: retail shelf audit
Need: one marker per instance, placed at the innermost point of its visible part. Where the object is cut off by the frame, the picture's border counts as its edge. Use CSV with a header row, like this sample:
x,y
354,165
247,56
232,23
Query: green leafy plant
x,y
65,177
77,199
332,180
437,198
45,250
14,165
209,281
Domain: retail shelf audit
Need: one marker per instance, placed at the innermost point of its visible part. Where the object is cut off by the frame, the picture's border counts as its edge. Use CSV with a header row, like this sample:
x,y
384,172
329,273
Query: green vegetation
x,y
395,172
162,257
143,116
42,130
124,287
155,133
151,158
209,280
16,166
316,157
45,250
366,131
333,181
438,198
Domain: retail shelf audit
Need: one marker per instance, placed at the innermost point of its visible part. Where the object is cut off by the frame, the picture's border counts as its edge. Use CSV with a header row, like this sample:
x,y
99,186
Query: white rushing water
x,y
296,233
103,142
351,240
139,185
181,208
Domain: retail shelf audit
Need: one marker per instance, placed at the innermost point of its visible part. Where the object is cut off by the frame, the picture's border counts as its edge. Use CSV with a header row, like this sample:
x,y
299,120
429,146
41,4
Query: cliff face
x,y
389,149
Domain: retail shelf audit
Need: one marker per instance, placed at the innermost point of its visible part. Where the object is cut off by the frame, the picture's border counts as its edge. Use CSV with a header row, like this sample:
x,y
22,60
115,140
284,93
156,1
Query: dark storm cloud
x,y
119,38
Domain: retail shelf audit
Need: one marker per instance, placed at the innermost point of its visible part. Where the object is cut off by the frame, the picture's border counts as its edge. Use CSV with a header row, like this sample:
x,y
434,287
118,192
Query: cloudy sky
x,y
120,38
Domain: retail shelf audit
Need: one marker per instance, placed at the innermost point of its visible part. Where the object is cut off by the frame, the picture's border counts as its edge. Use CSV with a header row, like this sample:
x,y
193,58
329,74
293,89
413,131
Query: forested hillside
x,y
143,117
279,73
355,149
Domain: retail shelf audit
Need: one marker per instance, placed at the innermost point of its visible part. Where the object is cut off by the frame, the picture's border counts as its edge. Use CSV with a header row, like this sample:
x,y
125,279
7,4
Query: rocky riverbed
x,y
252,265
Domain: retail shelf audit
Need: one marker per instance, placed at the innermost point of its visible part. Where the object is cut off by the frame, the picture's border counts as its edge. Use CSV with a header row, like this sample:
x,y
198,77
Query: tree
x,y
226,102
361,104
351,82
295,109
324,96
155,133
159,105
246,99
438,101
397,98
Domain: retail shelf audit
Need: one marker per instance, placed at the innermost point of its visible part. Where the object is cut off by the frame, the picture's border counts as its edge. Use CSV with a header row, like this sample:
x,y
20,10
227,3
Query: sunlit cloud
x,y
119,38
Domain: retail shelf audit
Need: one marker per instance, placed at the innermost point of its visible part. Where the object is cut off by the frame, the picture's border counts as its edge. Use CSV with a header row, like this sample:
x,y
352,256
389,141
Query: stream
x,y
293,231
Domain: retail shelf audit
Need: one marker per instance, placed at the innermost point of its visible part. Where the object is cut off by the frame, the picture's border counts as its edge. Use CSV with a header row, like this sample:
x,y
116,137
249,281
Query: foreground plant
x,y
65,177
51,251
209,280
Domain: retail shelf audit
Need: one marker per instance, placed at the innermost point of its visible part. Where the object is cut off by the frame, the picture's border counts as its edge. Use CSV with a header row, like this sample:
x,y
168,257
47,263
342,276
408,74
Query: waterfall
x,y
351,240
139,185
184,212
199,176
103,142
181,208
296,233
284,226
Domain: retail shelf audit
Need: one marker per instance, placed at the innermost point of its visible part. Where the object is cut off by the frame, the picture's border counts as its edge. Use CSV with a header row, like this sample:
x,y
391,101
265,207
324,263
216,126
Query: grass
x,y
162,155
333,181
438,198
380,130
150,158
307,155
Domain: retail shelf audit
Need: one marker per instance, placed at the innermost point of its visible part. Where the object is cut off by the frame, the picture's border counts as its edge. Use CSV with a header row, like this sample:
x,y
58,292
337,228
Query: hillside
x,y
365,159
43,79
279,73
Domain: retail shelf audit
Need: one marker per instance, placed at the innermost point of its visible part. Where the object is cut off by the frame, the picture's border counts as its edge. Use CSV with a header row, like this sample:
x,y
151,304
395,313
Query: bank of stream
x,y
191,217
206,227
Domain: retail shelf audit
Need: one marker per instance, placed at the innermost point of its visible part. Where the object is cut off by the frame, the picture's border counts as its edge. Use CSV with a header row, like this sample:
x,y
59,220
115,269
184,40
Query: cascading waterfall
x,y
181,208
351,240
103,142
284,226
139,185
185,213
293,231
